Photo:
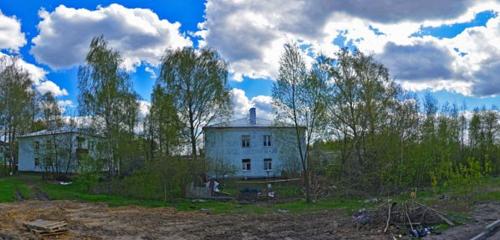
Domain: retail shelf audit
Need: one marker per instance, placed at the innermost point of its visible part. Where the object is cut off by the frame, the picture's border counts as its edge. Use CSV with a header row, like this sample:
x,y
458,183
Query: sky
x,y
447,48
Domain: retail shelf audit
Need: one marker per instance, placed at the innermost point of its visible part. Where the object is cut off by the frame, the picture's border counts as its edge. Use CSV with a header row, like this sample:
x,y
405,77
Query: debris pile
x,y
404,218
45,228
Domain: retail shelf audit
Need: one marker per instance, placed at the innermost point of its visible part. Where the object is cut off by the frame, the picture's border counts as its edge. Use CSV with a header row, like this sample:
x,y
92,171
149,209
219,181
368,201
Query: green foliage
x,y
197,82
89,171
17,105
8,188
106,95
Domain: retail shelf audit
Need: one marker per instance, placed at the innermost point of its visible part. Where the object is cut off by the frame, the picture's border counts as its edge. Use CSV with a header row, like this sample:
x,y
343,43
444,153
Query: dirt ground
x,y
97,221
482,214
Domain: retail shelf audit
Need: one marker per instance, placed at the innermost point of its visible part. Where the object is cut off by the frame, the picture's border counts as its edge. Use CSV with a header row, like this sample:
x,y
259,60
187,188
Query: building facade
x,y
55,150
251,148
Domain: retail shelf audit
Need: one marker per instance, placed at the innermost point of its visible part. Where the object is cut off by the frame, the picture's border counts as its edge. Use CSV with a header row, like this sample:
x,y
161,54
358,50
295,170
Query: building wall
x,y
224,145
27,153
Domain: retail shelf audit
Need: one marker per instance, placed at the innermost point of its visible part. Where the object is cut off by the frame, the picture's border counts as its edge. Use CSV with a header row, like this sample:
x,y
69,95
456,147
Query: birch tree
x,y
16,105
299,97
107,96
197,82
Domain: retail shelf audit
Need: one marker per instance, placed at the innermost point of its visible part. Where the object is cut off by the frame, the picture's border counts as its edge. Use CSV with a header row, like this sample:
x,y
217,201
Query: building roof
x,y
245,123
61,130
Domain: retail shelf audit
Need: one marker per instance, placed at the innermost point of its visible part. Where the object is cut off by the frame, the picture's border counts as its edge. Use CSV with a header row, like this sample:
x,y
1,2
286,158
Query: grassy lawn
x,y
488,191
77,192
8,188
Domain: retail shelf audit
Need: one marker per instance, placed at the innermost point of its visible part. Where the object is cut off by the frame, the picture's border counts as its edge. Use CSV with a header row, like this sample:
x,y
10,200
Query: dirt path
x,y
483,214
97,221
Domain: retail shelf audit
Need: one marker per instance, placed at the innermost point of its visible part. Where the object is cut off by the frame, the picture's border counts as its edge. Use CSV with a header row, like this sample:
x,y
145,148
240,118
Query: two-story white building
x,y
253,147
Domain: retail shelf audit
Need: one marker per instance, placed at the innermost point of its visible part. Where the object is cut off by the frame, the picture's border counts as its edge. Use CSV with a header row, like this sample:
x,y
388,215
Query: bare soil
x,y
98,221
482,215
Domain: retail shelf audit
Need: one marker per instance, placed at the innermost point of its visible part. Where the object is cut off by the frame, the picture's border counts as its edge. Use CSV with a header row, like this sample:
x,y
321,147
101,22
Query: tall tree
x,y
50,111
197,82
299,96
16,104
107,97
165,128
362,104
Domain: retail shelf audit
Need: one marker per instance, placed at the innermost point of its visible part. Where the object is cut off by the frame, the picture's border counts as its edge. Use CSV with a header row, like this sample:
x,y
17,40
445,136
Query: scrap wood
x,y
46,228
488,231
407,216
439,214
388,217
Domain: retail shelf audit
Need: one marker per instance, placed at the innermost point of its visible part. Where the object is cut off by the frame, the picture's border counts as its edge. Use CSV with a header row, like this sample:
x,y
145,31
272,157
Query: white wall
x,y
27,151
224,144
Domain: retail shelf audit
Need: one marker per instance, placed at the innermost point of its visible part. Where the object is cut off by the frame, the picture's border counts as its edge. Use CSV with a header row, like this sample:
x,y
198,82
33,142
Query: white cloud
x,y
250,35
144,107
241,105
151,71
11,36
49,86
37,74
65,104
138,34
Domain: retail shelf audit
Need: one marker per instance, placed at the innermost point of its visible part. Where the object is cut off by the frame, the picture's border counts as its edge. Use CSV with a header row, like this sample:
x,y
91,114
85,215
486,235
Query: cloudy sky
x,y
450,48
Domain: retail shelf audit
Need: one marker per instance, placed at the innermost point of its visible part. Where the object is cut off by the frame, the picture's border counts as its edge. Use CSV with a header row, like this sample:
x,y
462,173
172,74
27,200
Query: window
x,y
246,164
37,146
37,162
245,141
80,142
268,164
267,140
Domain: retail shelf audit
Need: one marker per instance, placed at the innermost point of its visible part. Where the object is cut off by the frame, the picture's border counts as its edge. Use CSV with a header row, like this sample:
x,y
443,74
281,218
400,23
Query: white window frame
x,y
246,164
268,164
245,141
267,140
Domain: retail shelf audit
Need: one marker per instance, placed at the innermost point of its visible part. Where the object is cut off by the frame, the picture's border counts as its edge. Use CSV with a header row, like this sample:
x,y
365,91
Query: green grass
x,y
9,186
488,191
77,192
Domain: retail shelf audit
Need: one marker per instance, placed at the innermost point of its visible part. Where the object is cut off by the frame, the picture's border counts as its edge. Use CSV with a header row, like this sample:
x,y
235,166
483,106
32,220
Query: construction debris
x,y
401,218
45,228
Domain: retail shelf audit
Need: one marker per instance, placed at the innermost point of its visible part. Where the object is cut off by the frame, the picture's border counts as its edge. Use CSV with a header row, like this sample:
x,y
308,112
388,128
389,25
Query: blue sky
x,y
447,48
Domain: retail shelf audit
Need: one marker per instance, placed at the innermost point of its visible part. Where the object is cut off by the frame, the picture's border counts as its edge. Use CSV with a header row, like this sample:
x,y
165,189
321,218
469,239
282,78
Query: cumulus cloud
x,y
46,86
251,34
422,61
144,107
138,34
64,105
402,10
488,78
241,105
11,36
37,74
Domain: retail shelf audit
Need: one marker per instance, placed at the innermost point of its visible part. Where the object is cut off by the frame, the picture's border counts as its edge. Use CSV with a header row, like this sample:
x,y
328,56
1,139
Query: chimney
x,y
253,116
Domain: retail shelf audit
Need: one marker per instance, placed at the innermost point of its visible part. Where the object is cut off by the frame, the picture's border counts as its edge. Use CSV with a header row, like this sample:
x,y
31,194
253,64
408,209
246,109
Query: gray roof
x,y
245,123
61,130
